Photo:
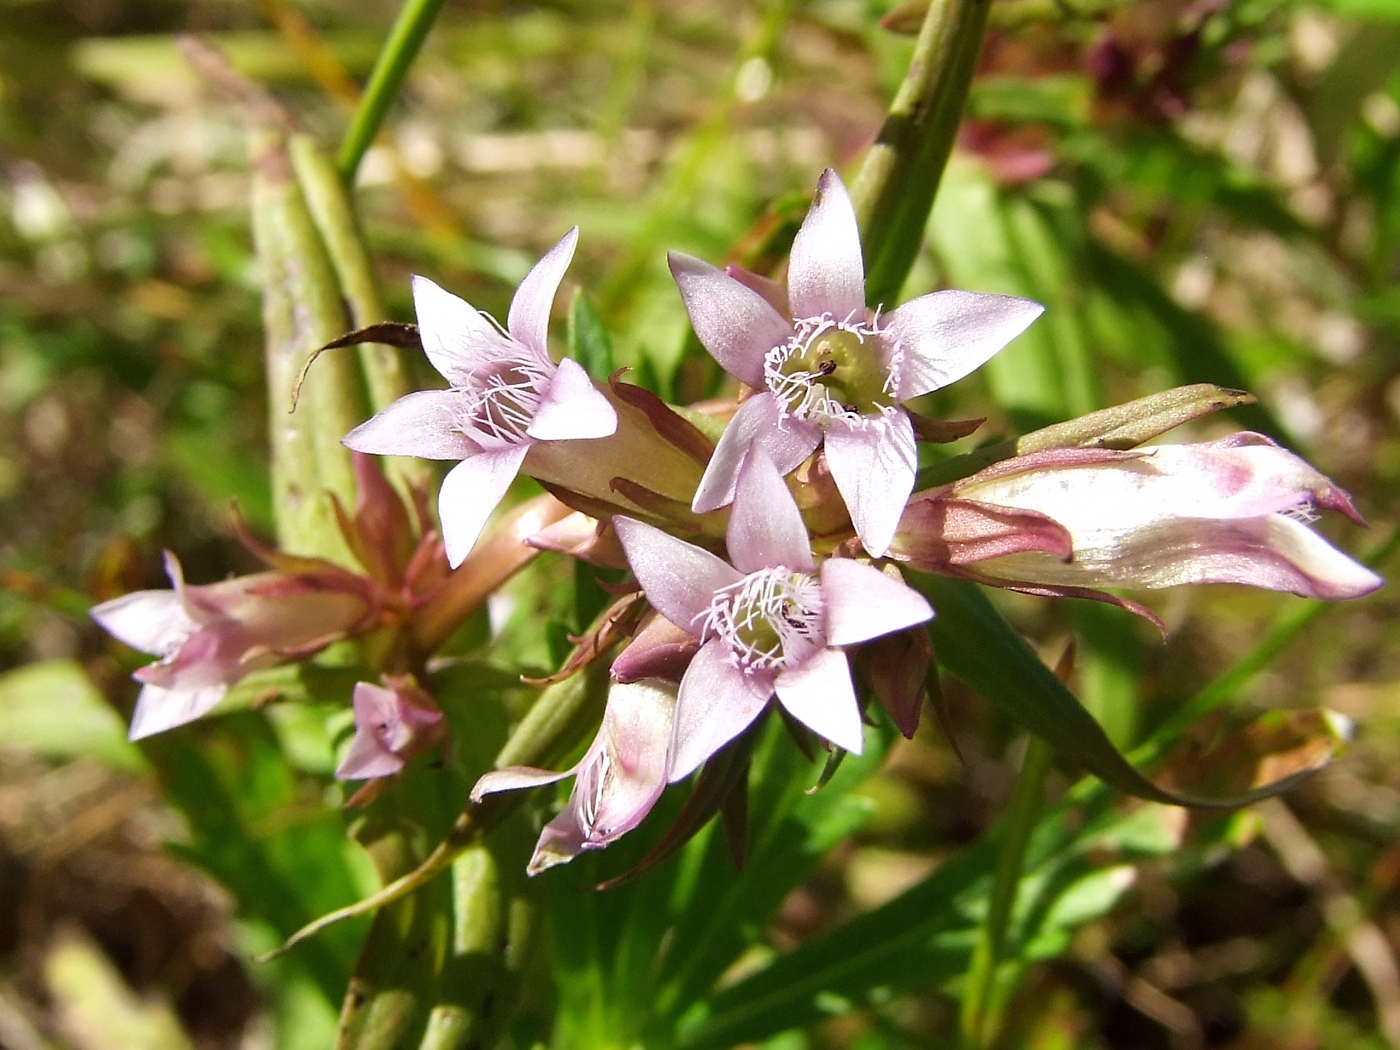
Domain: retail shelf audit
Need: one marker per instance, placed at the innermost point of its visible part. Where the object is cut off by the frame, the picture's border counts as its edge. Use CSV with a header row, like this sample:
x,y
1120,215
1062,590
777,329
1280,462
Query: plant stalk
x,y
405,39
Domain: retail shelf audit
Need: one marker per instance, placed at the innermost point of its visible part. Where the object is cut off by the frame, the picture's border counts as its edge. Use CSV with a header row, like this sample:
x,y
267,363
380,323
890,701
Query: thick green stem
x,y
894,191
302,311
1021,820
386,372
407,36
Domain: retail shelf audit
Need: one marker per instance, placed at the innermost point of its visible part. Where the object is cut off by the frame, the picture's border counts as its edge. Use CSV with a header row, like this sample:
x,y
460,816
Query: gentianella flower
x,y
618,780
208,637
505,394
1228,511
771,623
829,372
392,724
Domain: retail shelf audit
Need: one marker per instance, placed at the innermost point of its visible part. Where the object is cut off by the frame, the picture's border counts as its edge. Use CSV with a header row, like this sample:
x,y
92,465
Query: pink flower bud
x,y
391,726
1228,511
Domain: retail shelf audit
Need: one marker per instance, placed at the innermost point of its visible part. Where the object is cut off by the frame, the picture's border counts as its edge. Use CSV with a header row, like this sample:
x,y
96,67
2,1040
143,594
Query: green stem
x,y
405,39
894,191
1020,822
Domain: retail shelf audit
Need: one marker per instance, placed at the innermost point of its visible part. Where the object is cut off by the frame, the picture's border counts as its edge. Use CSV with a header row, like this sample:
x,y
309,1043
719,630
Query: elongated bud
x,y
301,312
1227,511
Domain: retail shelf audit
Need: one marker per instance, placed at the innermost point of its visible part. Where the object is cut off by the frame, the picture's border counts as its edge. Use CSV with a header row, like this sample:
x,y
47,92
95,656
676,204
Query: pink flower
x,y
771,623
504,394
1227,511
828,371
391,725
619,778
208,637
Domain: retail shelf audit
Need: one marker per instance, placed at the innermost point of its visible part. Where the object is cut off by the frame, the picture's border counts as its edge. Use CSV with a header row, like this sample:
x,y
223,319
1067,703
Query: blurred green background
x,y
1198,191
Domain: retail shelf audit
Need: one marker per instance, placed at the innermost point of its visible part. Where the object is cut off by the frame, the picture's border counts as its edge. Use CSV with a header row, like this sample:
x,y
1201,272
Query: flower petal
x,y
717,702
873,467
945,335
528,320
423,423
1273,552
469,494
572,408
367,758
517,778
457,337
826,274
735,324
679,578
153,621
765,526
787,442
160,709
863,603
819,694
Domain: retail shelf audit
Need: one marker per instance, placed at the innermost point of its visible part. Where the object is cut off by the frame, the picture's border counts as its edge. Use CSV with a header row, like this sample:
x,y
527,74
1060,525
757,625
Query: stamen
x,y
504,401
1306,512
770,619
592,792
826,372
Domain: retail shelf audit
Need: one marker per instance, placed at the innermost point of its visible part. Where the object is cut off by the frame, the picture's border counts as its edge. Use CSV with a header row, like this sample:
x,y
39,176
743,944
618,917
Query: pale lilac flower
x,y
391,725
828,371
208,637
773,622
504,394
619,778
1228,511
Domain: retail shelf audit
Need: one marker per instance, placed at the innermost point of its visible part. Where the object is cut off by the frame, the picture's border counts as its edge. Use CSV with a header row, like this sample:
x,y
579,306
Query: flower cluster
x,y
761,606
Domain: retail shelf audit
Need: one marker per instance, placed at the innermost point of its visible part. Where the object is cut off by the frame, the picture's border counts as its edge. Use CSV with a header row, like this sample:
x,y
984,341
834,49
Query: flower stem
x,y
1021,820
407,36
894,191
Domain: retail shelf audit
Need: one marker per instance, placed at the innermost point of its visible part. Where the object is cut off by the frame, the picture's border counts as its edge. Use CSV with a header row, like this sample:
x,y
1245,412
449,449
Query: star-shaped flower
x,y
830,372
771,623
505,393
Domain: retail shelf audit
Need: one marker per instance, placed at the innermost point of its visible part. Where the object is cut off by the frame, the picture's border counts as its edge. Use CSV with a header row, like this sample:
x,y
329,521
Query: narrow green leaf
x,y
410,29
977,645
588,340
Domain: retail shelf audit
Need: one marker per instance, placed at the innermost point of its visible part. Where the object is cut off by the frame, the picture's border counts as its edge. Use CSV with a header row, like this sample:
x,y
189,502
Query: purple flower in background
x,y
771,623
504,394
827,371
619,778
391,725
208,637
1227,511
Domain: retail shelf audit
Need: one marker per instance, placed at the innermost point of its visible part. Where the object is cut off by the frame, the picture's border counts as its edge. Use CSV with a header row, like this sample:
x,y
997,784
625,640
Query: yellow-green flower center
x,y
770,620
831,369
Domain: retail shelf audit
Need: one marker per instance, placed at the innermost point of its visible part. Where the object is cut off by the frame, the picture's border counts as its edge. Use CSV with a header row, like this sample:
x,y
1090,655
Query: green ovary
x,y
842,371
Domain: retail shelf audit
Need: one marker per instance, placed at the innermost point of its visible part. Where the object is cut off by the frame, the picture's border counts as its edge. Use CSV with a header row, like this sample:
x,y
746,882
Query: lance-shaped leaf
x,y
976,644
